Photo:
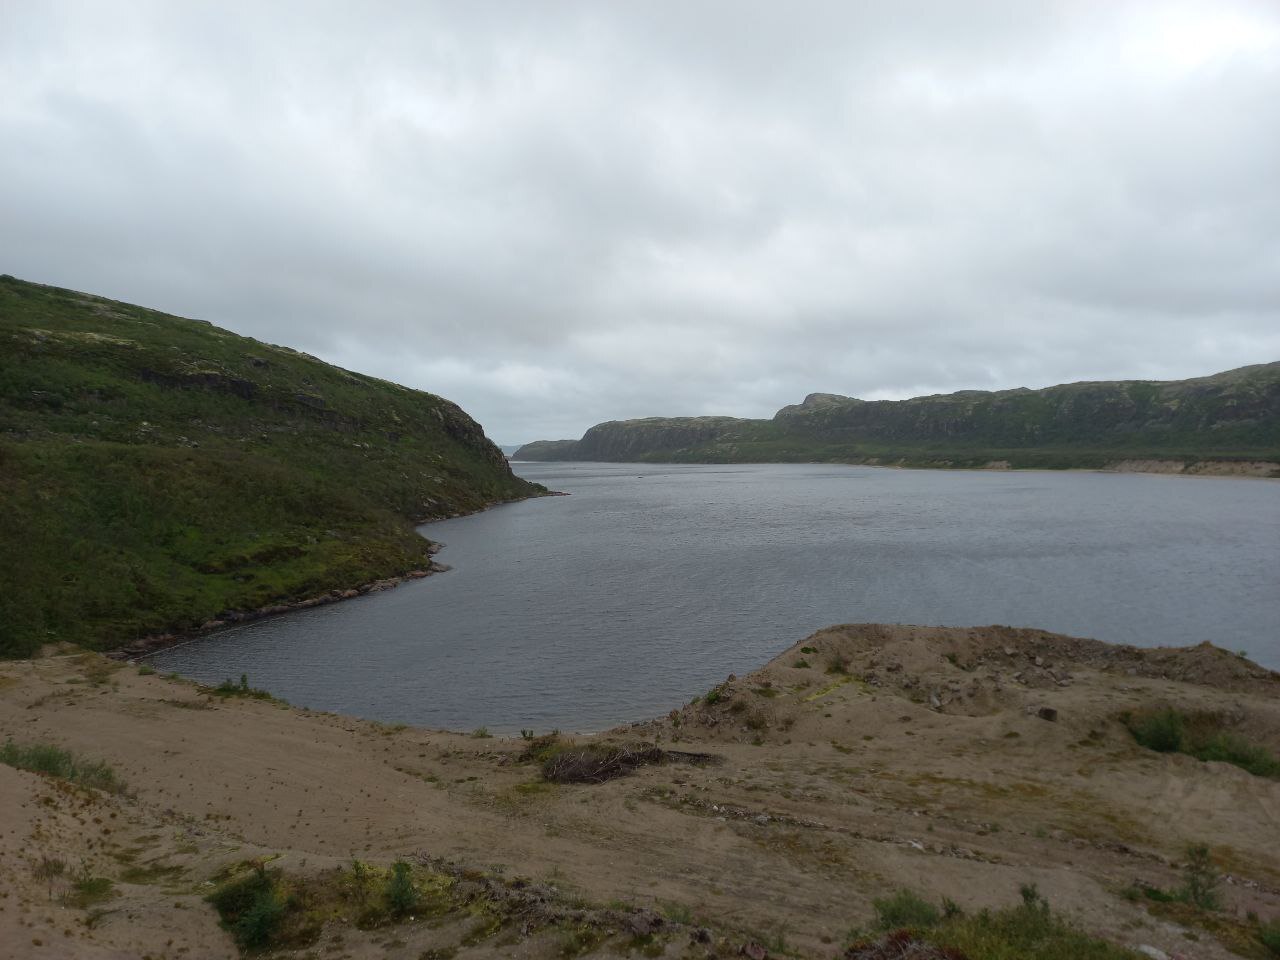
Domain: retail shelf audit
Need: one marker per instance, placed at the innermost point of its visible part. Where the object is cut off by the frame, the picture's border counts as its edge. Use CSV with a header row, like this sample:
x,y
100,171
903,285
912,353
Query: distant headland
x,y
1227,423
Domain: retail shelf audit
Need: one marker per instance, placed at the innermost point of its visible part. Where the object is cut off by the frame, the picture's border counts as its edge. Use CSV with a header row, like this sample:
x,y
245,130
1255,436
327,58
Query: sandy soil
x,y
924,763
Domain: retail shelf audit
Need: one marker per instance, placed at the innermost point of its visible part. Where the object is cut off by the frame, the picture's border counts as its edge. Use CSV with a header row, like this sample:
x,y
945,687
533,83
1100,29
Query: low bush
x,y
400,893
1269,934
1159,730
251,907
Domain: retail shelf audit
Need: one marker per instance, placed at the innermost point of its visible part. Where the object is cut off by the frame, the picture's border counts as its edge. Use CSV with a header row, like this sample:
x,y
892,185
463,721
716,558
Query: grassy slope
x,y
157,471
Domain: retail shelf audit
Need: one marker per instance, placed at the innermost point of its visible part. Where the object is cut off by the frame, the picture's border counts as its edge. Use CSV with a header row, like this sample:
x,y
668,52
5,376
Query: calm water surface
x,y
651,583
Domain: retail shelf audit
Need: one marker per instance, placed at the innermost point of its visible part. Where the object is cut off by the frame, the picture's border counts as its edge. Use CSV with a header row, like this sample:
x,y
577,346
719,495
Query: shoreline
x,y
1252,469
144,646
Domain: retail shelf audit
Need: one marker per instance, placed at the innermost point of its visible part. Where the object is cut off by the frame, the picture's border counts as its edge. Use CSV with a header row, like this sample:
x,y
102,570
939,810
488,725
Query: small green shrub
x,y
146,670
801,664
251,907
481,733
1200,879
1269,934
400,893
1160,730
256,926
905,908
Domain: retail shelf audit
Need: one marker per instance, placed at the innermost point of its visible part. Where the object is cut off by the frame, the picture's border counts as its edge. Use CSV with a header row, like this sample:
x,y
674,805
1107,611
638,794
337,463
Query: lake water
x,y
653,582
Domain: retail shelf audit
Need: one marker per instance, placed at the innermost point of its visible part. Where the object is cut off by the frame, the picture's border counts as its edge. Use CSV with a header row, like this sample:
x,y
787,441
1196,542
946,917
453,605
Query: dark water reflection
x,y
651,583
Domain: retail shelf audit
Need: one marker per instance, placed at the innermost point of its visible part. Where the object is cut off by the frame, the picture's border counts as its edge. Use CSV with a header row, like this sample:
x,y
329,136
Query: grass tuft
x,y
53,761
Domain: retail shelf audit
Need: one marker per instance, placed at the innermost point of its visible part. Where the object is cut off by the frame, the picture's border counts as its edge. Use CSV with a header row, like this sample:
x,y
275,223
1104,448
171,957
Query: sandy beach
x,y
958,763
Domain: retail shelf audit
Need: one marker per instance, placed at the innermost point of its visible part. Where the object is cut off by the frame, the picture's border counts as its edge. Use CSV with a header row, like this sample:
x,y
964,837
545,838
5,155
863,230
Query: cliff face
x,y
1233,415
159,470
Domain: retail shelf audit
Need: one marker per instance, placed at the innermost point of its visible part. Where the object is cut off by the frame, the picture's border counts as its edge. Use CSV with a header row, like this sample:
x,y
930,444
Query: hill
x,y
1232,416
158,472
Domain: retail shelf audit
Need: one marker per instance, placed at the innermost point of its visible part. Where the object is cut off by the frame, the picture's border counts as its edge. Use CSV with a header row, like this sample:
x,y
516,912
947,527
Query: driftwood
x,y
597,763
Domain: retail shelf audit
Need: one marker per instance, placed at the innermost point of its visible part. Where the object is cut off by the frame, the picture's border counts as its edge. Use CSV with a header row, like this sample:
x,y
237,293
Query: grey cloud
x,y
567,212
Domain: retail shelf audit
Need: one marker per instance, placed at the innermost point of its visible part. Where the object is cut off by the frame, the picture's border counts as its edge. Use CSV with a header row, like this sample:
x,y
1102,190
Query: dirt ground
x,y
863,759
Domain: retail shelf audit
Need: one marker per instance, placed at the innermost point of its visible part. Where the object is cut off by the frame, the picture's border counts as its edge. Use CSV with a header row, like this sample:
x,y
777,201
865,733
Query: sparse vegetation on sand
x,y
1028,931
1200,734
53,761
241,688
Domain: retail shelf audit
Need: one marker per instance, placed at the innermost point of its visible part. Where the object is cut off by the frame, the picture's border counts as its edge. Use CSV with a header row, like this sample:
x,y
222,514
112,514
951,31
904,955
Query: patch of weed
x,y
1204,736
905,908
86,891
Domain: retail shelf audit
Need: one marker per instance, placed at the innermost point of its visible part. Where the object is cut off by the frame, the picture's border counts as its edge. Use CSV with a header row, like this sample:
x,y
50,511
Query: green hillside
x,y
156,472
1231,416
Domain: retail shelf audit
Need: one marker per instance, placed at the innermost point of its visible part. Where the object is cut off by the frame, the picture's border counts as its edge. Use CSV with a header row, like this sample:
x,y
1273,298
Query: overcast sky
x,y
562,213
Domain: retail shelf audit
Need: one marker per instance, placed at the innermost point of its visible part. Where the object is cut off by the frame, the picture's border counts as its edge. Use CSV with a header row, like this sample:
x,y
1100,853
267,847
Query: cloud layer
x,y
561,213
